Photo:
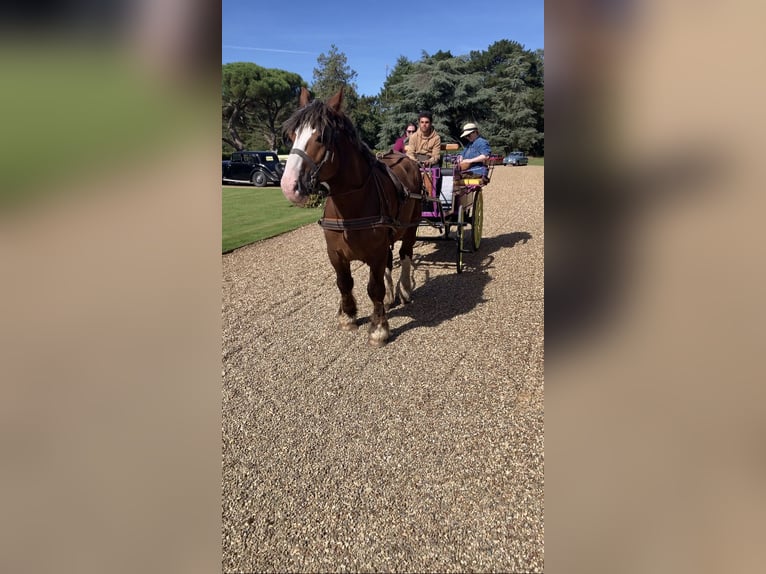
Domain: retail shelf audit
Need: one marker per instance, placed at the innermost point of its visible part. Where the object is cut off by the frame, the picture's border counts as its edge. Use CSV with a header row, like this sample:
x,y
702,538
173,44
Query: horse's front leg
x,y
345,282
376,290
406,283
389,298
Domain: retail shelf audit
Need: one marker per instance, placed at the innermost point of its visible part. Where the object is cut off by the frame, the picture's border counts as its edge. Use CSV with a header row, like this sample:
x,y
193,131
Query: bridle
x,y
314,169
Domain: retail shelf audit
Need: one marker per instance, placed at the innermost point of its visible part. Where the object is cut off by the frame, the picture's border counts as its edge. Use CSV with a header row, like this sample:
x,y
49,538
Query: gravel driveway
x,y
423,456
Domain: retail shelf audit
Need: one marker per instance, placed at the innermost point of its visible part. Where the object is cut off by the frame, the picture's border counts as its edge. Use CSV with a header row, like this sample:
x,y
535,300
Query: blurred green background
x,y
71,113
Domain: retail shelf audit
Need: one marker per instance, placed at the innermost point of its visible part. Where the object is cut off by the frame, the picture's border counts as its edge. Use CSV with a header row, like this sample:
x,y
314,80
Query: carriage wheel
x,y
445,221
460,230
477,219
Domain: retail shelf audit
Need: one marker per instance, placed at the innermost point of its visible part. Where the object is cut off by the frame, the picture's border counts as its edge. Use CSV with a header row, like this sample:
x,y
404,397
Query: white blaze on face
x,y
294,165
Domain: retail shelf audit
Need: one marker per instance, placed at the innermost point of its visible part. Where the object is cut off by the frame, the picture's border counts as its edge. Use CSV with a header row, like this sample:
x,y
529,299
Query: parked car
x,y
516,158
495,159
254,167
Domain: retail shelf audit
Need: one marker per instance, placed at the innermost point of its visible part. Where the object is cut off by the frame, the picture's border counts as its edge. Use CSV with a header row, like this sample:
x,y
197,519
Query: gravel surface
x,y
423,456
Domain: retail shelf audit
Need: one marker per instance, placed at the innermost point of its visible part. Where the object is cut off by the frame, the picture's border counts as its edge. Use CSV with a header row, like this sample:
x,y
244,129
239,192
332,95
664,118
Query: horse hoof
x,y
406,299
378,337
347,322
404,296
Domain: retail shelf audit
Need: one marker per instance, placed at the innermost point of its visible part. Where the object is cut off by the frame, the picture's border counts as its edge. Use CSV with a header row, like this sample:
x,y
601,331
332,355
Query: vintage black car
x,y
252,167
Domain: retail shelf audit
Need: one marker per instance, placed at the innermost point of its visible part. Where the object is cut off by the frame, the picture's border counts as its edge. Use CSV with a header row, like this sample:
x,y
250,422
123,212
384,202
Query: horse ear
x,y
305,97
336,101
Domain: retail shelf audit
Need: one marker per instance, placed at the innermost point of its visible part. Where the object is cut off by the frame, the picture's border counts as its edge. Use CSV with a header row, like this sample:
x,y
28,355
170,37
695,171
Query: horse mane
x,y
329,123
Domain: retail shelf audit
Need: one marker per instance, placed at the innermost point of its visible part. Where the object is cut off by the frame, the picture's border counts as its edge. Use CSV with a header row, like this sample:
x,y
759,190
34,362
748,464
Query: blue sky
x,y
291,35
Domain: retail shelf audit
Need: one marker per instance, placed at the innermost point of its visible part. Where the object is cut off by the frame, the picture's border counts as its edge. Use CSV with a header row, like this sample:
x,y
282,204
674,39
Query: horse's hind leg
x,y
345,282
406,279
389,298
379,331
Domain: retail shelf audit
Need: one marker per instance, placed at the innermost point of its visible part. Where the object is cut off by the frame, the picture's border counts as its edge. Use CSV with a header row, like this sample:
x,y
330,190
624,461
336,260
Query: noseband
x,y
315,168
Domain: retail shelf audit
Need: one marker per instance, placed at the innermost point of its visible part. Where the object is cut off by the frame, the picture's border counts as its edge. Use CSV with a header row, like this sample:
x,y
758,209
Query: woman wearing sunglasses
x,y
402,141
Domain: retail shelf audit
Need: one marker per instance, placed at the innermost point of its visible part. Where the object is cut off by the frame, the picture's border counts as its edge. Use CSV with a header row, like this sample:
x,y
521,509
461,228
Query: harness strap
x,y
303,154
402,190
381,220
338,224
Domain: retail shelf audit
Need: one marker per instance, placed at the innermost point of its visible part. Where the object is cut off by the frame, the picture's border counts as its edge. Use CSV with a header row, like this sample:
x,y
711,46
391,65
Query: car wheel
x,y
259,179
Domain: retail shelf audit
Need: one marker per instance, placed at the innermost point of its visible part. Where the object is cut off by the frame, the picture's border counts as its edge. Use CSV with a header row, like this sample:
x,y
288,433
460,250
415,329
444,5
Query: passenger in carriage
x,y
474,155
425,147
425,144
401,142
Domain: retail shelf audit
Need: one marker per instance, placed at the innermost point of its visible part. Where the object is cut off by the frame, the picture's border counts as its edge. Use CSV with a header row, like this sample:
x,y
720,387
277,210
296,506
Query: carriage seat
x,y
452,180
473,179
449,159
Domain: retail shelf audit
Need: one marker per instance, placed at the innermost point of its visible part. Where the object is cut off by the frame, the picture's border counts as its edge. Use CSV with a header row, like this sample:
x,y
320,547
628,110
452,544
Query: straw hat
x,y
468,128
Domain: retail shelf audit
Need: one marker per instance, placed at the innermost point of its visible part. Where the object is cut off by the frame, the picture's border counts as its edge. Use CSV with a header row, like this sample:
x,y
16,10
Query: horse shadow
x,y
439,298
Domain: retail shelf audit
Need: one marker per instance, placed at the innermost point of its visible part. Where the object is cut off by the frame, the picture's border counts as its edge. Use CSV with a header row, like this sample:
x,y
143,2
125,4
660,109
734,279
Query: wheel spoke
x,y
460,235
478,220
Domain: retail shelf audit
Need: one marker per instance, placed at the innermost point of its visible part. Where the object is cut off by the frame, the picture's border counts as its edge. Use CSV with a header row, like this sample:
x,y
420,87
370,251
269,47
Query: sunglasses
x,y
410,131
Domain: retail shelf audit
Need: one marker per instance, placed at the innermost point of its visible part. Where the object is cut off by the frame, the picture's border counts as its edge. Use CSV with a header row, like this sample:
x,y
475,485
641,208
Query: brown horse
x,y
370,204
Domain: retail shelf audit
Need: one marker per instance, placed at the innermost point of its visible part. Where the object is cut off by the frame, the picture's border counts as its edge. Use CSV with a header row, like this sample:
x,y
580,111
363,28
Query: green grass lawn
x,y
253,213
537,161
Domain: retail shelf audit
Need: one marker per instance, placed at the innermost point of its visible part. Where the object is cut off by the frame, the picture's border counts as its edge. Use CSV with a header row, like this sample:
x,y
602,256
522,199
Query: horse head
x,y
313,130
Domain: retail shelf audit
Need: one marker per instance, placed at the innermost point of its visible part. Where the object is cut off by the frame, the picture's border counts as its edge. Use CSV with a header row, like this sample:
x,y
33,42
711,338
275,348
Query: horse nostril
x,y
304,185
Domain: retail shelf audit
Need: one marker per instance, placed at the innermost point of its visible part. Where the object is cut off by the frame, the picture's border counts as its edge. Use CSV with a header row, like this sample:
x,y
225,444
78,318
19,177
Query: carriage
x,y
454,200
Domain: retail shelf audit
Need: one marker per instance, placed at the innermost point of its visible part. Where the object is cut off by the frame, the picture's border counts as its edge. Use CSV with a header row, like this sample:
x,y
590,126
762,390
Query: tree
x,y
394,111
443,85
367,119
501,89
237,106
333,72
256,101
389,96
514,76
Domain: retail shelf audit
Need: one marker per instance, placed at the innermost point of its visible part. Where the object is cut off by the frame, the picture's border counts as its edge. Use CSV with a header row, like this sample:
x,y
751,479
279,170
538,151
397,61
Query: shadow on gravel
x,y
435,297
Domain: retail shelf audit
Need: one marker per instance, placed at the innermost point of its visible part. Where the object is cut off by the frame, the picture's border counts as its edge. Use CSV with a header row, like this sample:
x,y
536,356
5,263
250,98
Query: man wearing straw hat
x,y
475,153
